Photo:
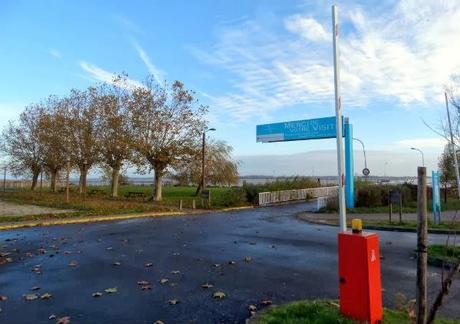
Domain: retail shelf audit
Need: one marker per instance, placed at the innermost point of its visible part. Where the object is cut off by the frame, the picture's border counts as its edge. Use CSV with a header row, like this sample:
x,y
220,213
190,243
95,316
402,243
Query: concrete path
x,y
290,260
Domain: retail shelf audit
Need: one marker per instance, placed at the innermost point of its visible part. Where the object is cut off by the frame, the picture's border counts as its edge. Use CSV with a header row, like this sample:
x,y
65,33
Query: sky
x,y
253,62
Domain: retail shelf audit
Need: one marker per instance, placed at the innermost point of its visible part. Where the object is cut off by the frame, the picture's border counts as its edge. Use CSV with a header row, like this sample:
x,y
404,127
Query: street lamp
x,y
364,152
203,152
419,150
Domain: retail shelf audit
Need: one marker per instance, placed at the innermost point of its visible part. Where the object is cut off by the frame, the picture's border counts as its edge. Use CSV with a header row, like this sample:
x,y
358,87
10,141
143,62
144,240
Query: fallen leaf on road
x,y
148,265
111,290
206,286
3,298
164,281
96,294
174,302
63,320
109,248
252,308
175,272
143,283
216,265
159,322
73,263
116,263
231,262
30,297
146,287
266,302
247,259
35,288
219,295
46,296
51,317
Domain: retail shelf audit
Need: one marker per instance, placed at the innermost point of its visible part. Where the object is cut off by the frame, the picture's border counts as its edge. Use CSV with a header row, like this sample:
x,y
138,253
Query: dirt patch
x,y
12,209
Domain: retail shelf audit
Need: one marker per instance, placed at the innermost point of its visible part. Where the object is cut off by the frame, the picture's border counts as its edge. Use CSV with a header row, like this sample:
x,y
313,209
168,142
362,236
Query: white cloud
x,y
402,55
308,28
153,70
100,74
55,53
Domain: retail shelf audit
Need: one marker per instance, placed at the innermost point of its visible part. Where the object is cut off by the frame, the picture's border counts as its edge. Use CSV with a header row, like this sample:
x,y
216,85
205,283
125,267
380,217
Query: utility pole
x,y
454,151
422,242
338,116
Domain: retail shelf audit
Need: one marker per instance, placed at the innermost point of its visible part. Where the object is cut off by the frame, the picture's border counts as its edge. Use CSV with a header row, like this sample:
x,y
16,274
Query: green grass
x,y
319,312
413,224
444,253
103,204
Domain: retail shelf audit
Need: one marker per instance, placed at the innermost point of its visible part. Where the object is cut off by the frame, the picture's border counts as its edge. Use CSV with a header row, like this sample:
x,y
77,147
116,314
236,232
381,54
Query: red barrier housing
x,y
359,276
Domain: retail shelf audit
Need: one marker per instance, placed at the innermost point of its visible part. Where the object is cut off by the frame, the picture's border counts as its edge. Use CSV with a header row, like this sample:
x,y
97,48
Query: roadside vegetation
x,y
318,312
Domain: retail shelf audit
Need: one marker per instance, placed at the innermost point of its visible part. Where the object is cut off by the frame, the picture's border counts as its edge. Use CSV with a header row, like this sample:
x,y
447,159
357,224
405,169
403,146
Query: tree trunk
x,y
53,179
115,177
82,182
157,190
35,175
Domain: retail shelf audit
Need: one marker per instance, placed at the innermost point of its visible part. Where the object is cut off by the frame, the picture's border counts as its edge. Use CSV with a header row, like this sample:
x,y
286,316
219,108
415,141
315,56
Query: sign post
x,y
436,197
338,114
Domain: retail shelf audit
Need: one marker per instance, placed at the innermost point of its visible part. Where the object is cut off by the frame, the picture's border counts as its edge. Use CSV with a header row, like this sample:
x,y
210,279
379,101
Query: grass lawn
x,y
443,253
411,207
319,312
413,224
103,204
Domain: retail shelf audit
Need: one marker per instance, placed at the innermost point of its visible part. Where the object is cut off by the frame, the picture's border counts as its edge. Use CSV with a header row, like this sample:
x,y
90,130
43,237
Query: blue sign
x,y
297,130
436,197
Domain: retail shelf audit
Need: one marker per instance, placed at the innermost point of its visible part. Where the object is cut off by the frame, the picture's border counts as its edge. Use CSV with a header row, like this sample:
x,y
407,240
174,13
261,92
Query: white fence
x,y
268,198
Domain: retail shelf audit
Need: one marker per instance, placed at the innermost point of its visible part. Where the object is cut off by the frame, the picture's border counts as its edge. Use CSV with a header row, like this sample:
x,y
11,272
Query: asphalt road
x,y
290,260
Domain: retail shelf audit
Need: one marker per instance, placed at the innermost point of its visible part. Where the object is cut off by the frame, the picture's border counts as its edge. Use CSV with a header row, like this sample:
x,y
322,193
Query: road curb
x,y
82,220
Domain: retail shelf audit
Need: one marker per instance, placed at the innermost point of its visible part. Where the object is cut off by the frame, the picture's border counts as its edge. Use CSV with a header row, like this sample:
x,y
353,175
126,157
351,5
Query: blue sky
x,y
252,62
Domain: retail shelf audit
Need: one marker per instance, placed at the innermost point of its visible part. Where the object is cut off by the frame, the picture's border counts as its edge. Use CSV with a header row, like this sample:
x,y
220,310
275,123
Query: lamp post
x,y
67,182
364,152
419,150
203,152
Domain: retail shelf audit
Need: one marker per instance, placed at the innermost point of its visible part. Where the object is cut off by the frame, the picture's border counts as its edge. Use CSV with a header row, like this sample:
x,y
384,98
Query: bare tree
x,y
166,122
81,131
51,127
115,140
21,143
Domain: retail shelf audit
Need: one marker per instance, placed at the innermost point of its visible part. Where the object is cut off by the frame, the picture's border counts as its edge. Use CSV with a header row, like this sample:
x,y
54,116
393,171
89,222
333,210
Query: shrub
x,y
233,197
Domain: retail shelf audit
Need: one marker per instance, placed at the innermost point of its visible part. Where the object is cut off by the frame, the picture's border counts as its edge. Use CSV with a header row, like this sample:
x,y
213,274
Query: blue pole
x,y
349,166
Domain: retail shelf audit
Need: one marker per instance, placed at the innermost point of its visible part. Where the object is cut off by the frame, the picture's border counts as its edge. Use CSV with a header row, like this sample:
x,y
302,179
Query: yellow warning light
x,y
356,225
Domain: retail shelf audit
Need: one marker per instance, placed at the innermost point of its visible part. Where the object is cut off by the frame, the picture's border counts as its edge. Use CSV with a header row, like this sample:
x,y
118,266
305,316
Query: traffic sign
x,y
366,172
297,130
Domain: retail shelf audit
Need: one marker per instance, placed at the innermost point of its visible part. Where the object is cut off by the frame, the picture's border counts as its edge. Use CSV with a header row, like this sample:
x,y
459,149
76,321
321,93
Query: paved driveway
x,y
290,260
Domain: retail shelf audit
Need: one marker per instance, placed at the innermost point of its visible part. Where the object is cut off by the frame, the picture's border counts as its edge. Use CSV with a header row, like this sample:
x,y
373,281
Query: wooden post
x,y
180,204
400,208
422,233
193,204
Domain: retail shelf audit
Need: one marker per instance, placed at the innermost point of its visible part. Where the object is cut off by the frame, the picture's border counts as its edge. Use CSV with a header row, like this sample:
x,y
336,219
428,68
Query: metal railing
x,y
268,198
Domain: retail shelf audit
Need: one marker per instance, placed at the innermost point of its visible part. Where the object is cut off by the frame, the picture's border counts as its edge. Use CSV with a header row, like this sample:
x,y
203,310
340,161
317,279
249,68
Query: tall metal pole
x,y
203,149
364,151
421,152
338,114
454,151
67,198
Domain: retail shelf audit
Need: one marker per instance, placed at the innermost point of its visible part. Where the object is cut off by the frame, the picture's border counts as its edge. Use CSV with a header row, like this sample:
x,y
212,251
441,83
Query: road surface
x,y
289,260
